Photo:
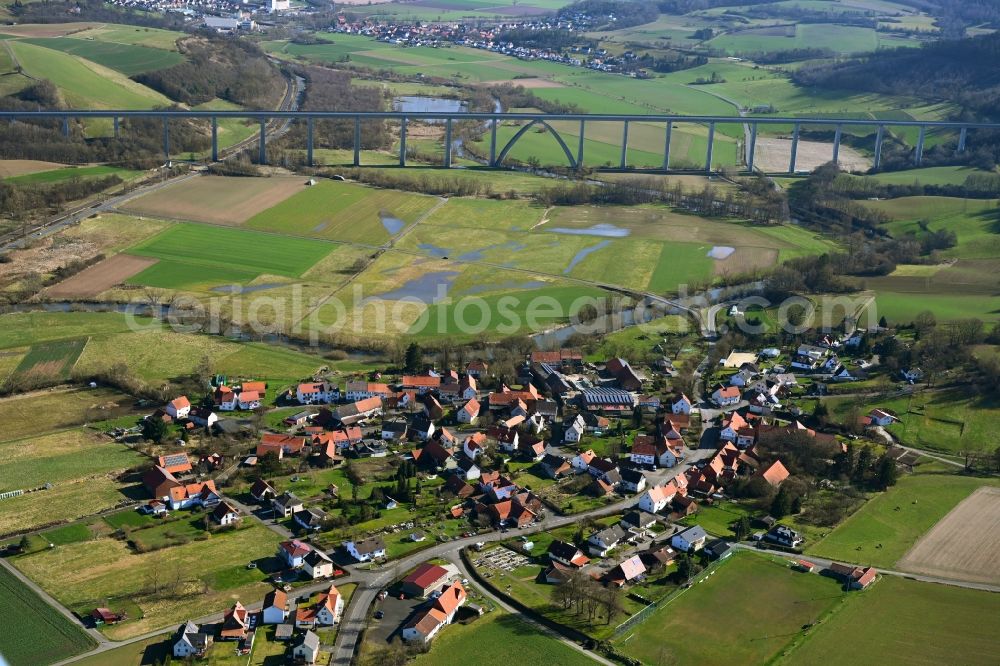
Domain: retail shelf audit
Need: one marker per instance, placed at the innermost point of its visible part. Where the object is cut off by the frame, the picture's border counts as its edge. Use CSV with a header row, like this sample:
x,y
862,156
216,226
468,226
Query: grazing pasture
x,y
55,175
891,618
32,633
217,199
965,544
686,629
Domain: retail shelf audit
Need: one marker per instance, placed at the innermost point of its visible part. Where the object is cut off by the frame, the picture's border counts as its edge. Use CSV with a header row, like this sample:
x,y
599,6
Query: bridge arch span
x,y
521,132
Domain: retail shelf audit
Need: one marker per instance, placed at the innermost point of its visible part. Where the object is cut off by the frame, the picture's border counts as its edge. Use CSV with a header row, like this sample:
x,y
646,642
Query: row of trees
x,y
584,596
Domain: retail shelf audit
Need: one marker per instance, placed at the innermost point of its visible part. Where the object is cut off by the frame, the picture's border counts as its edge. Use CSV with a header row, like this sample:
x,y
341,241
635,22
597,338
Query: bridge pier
x,y
711,147
116,127
836,144
262,147
879,139
962,136
357,140
402,142
215,138
65,126
795,148
753,147
166,138
918,156
493,142
666,145
447,144
579,148
624,157
309,141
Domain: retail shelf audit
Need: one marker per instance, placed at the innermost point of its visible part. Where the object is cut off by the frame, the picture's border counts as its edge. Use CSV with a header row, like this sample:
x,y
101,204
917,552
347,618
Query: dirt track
x,y
964,545
100,277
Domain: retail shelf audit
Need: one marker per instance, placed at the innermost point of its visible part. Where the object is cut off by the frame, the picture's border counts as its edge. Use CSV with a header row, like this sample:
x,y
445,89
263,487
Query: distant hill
x,y
962,71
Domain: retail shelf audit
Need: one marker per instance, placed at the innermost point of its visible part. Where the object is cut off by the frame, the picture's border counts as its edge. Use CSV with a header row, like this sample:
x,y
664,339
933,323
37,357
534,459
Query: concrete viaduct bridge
x,y
491,121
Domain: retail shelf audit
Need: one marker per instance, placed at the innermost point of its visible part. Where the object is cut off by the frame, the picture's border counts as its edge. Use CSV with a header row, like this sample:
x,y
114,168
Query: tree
x,y
820,412
741,528
883,322
886,473
924,322
687,568
154,429
781,506
864,464
414,357
269,464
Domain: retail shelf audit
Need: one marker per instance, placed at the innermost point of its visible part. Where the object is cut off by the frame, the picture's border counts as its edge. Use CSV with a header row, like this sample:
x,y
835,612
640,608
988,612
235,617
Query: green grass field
x,y
132,34
62,456
125,58
189,256
52,359
62,409
84,574
896,518
342,211
85,84
494,633
762,604
32,633
57,175
891,619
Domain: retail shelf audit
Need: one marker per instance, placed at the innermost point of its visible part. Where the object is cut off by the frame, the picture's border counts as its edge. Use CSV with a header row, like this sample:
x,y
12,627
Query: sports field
x,y
32,633
189,257
963,544
345,212
889,524
217,199
762,605
907,622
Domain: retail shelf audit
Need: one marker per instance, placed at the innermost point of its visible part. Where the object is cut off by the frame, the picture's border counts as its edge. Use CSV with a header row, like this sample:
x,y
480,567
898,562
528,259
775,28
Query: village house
x,y
477,369
881,417
309,519
420,384
472,447
204,417
426,624
854,578
366,550
359,410
424,579
726,396
286,504
784,536
314,393
293,552
249,400
307,649
275,608
190,641
281,445
567,554
175,463
628,571
469,412
225,515
224,398
573,430
178,408
555,466
262,491
467,469
775,473
633,480
690,540
604,541
656,498
355,391
235,623
624,375
603,398
681,405
325,612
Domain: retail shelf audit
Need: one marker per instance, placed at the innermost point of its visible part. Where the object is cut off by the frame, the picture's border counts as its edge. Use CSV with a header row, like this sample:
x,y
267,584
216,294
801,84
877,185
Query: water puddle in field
x,y
583,254
509,285
239,289
392,224
421,104
604,230
428,288
721,252
439,252
320,227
